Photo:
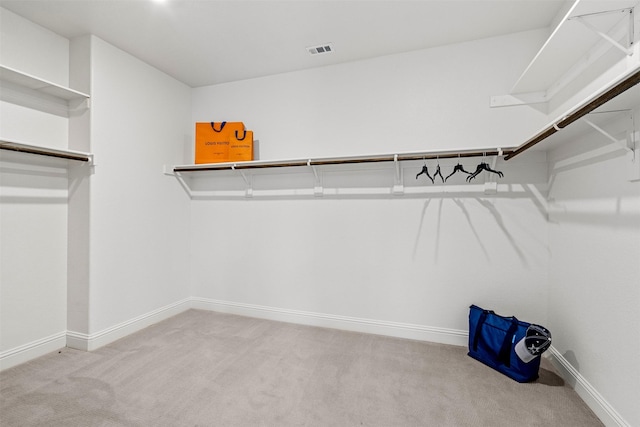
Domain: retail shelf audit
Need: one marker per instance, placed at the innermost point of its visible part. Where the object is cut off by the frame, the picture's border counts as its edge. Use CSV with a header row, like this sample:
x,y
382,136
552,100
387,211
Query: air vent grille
x,y
321,49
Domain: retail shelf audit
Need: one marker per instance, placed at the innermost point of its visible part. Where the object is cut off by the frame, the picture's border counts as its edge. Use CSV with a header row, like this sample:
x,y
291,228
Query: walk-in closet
x,y
410,159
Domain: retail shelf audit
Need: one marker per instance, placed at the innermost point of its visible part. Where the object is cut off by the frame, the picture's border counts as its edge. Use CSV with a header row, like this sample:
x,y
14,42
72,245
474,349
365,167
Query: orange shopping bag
x,y
212,140
241,146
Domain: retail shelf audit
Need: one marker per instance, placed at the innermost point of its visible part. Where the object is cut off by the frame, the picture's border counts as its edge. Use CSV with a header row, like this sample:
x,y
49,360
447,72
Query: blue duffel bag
x,y
507,344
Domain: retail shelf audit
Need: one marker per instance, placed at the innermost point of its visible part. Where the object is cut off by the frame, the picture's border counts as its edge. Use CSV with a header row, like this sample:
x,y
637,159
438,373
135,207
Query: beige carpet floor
x,y
202,368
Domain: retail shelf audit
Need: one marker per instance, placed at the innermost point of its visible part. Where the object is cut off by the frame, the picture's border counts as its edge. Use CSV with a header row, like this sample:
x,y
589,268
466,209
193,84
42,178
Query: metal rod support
x,y
315,172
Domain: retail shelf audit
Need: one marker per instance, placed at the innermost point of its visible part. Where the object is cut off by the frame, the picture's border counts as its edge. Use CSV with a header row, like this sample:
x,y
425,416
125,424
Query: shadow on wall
x,y
464,210
419,233
33,99
498,217
592,155
28,179
459,202
598,170
570,357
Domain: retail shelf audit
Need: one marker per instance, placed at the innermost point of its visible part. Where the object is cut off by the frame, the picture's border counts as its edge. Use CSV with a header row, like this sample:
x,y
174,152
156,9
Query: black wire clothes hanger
x,y
457,168
425,171
484,166
438,171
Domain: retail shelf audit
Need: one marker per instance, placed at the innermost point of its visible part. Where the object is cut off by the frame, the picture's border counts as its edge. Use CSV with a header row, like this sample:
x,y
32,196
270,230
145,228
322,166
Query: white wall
x,y
33,49
412,260
419,261
594,270
33,193
138,217
427,99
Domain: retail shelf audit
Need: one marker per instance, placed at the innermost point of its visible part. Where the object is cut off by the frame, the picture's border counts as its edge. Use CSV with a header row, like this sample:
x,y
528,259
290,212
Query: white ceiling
x,y
205,42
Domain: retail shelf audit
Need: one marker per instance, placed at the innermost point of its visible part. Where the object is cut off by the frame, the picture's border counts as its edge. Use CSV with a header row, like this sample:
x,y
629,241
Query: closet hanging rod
x,y
41,151
585,109
342,160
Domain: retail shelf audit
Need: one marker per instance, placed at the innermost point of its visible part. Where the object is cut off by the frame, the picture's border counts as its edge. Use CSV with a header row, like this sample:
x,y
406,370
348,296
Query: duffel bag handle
x,y
504,356
481,319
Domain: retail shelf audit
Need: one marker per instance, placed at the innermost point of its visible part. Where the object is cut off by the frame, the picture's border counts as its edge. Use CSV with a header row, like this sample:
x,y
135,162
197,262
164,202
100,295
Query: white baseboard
x,y
89,342
32,350
594,400
355,324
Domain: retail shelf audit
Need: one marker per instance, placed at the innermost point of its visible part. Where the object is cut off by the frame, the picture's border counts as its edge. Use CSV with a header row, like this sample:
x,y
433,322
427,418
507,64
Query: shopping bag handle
x,y
243,136
213,126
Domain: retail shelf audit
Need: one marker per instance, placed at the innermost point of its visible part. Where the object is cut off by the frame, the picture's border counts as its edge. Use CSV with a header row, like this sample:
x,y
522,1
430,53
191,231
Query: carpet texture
x,y
203,368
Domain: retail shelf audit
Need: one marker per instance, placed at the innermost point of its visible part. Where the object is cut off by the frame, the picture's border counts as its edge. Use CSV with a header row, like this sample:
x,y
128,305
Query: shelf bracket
x,y
626,50
626,143
247,180
398,185
621,142
183,184
318,191
633,165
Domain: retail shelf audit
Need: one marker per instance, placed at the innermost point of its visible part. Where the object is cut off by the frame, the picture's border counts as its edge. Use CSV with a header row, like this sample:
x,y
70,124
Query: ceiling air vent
x,y
324,48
